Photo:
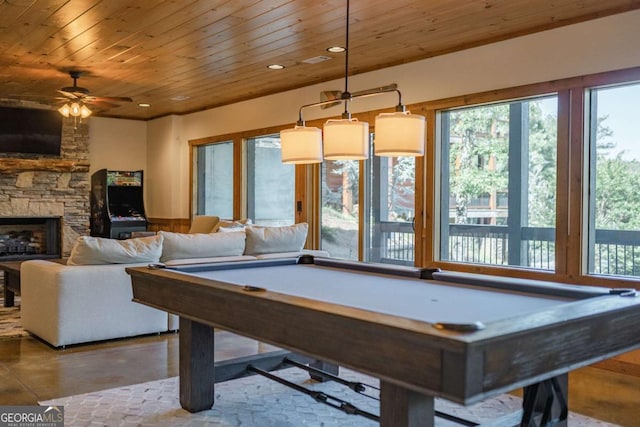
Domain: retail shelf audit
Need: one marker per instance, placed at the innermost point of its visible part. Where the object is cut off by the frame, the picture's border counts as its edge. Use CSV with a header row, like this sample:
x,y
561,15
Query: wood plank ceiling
x,y
182,56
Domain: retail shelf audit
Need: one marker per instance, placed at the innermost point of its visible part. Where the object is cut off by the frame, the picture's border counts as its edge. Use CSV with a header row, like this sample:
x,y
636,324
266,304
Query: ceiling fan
x,y
74,99
76,93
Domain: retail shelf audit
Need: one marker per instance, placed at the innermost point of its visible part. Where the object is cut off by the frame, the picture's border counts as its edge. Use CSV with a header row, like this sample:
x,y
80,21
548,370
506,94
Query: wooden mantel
x,y
53,165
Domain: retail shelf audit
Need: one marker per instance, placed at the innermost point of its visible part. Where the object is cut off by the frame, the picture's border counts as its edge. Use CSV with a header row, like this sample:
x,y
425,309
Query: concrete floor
x,y
32,371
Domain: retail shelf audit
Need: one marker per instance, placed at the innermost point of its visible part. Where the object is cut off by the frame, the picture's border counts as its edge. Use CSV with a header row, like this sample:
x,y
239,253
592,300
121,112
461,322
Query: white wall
x,y
168,169
117,144
605,44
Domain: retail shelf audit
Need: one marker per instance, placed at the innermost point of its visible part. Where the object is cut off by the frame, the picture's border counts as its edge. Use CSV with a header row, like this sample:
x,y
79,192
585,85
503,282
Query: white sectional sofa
x,y
90,297
65,304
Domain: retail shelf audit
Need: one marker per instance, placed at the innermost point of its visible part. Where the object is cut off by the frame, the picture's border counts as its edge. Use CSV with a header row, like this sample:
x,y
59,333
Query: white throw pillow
x,y
98,250
266,240
183,246
230,229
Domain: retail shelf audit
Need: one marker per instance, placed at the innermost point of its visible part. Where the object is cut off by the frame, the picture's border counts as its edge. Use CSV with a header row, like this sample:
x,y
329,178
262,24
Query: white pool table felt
x,y
418,299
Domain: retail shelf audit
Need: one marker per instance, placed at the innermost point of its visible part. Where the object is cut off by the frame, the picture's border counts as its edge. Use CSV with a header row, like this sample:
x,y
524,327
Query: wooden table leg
x,y
11,286
197,368
8,296
400,407
544,396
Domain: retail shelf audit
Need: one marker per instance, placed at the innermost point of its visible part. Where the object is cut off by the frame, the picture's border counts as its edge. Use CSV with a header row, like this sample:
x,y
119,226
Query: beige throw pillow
x,y
227,224
98,250
183,246
204,224
266,240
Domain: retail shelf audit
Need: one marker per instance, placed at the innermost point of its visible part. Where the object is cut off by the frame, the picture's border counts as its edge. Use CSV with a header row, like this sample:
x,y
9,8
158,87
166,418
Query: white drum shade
x,y
301,145
346,139
399,134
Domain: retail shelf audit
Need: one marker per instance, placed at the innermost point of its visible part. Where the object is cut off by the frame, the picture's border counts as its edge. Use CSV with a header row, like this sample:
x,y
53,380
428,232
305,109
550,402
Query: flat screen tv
x,y
25,130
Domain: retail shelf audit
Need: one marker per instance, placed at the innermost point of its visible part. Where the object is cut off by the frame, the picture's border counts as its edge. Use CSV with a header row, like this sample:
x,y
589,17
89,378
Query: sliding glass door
x,y
384,188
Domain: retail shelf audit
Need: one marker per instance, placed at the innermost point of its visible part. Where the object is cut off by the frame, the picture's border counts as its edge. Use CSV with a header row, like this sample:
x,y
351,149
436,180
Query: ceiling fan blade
x,y
70,95
100,103
110,98
329,95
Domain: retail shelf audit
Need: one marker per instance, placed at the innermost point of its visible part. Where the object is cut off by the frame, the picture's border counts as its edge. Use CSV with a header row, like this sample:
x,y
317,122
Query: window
x,y
390,210
340,202
270,184
388,204
214,179
498,175
614,166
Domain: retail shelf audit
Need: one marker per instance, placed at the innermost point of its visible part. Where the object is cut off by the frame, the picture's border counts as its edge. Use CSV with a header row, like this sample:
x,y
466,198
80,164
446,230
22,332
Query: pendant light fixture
x,y
396,134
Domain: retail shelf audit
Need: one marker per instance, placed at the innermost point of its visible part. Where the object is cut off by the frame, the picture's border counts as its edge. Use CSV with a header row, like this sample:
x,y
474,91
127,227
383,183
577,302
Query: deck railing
x,y
616,252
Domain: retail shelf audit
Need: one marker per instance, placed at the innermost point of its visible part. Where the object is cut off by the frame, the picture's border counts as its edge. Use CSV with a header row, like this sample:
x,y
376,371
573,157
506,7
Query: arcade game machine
x,y
117,206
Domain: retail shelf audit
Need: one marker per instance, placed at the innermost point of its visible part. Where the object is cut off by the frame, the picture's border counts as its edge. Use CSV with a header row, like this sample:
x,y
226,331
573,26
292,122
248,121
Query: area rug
x,y
257,402
10,326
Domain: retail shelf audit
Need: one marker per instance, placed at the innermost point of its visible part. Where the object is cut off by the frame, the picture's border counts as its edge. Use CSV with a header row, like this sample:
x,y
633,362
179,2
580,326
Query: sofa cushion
x,y
200,245
266,240
98,250
204,224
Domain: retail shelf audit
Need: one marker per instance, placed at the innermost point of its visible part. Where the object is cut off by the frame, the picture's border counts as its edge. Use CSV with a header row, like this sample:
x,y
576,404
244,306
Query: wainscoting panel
x,y
175,225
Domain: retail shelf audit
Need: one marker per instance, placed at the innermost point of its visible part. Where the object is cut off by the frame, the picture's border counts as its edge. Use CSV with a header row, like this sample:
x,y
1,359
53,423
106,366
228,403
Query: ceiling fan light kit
x,y
76,109
396,134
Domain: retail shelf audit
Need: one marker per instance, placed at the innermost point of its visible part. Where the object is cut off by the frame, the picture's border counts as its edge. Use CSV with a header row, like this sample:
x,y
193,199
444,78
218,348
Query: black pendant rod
x,y
346,57
346,96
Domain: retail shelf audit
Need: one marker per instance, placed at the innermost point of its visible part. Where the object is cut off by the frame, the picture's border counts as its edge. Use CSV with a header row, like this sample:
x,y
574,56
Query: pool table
x,y
424,333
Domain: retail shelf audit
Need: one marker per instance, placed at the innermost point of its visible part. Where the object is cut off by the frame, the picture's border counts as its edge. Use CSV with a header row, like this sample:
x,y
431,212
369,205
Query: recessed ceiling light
x,y
335,49
144,105
180,98
275,66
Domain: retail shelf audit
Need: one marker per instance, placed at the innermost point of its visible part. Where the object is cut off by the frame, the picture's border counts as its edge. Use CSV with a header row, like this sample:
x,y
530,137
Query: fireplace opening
x,y
24,238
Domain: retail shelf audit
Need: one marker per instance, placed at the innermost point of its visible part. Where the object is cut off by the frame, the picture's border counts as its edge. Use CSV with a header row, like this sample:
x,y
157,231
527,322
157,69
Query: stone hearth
x,y
50,186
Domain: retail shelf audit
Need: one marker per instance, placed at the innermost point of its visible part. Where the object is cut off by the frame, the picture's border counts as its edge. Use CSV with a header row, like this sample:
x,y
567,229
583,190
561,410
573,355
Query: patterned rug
x,y
10,319
258,402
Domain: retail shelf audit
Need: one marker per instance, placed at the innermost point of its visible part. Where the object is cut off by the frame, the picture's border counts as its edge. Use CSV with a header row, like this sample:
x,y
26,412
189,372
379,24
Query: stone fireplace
x,y
42,186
